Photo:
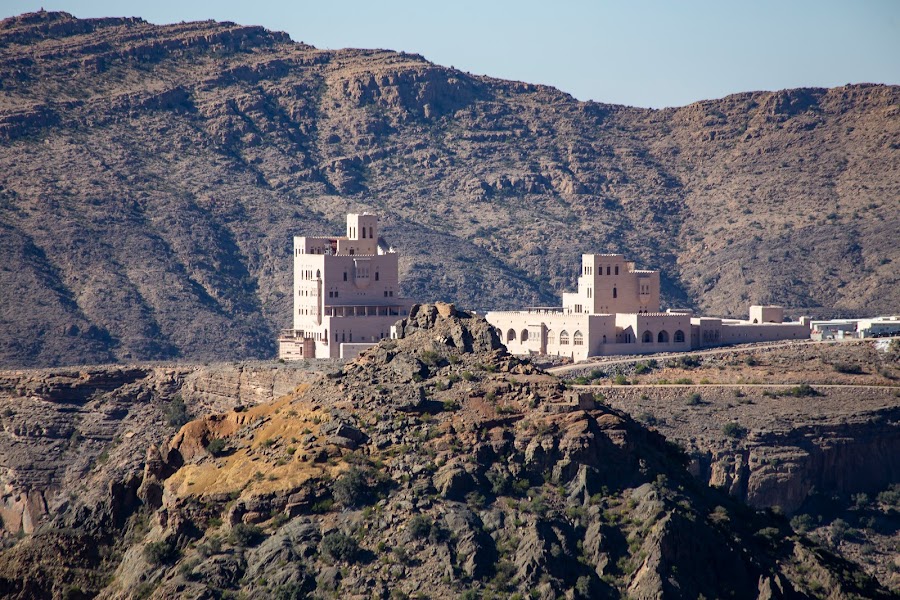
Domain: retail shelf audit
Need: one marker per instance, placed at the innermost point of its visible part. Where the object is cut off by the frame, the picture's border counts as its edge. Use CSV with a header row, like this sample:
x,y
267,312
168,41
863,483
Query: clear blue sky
x,y
649,53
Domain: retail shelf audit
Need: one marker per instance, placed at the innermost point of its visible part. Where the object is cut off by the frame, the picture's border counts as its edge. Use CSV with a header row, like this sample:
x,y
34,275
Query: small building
x,y
616,310
879,327
346,293
834,329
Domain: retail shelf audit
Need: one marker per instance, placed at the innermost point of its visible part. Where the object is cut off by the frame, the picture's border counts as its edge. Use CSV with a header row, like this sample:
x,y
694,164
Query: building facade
x,y
346,293
616,310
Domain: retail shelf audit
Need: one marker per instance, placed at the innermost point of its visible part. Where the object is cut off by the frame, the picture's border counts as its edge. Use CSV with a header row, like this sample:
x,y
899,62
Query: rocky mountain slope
x,y
433,465
151,178
810,430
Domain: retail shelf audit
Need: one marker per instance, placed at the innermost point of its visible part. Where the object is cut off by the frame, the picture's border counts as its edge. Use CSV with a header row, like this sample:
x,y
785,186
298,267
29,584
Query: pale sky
x,y
649,53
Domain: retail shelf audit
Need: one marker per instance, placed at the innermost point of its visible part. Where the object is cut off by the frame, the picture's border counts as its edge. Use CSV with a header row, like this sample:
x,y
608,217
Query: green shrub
x,y
801,523
323,506
163,552
684,381
848,368
475,500
890,496
419,526
430,357
647,418
469,376
245,534
352,488
688,362
620,380
734,430
216,446
641,368
176,412
337,546
803,390
695,399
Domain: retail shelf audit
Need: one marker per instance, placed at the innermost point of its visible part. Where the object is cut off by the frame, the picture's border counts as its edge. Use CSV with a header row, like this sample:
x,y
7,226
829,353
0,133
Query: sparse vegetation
x,y
245,534
734,430
848,368
419,526
163,552
352,488
803,390
339,547
216,446
176,412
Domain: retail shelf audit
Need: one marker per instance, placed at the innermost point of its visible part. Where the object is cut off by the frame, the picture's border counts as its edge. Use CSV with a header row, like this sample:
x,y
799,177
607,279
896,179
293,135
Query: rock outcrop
x,y
461,472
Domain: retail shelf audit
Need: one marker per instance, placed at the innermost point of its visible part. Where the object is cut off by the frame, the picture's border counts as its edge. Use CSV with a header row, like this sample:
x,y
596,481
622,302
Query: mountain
x,y
435,465
151,178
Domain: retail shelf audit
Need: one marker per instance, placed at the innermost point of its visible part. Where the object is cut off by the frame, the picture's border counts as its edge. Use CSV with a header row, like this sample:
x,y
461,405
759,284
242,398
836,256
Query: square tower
x,y
363,229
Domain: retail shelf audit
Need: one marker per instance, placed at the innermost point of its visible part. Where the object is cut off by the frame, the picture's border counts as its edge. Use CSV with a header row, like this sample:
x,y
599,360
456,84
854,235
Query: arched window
x,y
376,275
370,233
679,337
647,337
615,293
551,337
604,339
345,275
663,337
318,274
755,321
524,336
577,339
511,335
563,338
617,269
607,269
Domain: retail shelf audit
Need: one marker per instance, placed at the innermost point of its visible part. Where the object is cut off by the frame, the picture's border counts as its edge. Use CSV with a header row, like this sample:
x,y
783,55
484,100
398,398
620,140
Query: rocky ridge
x,y
154,175
433,462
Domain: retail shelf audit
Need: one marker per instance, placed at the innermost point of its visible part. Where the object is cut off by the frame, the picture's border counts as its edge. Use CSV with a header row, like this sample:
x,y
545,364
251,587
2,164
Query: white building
x,y
346,293
616,310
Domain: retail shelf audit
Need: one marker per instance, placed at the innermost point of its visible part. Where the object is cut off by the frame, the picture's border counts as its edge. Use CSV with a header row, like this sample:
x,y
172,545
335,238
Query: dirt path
x,y
604,361
762,385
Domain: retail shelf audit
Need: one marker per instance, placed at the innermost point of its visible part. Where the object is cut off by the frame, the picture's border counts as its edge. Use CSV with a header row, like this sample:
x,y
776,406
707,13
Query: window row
x,y
577,338
662,337
609,270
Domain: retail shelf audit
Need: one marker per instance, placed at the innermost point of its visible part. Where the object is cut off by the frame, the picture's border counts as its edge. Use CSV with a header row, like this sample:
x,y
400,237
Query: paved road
x,y
605,361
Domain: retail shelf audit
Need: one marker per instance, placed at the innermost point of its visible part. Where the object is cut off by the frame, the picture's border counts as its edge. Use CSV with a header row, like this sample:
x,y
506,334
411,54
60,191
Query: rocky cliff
x,y
152,177
433,462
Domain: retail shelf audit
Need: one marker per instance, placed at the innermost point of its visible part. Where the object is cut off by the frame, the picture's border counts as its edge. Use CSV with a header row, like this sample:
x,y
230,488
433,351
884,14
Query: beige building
x,y
616,310
346,293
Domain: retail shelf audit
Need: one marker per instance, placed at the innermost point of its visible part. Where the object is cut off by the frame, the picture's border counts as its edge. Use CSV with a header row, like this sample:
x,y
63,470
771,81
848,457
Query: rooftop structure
x,y
346,293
